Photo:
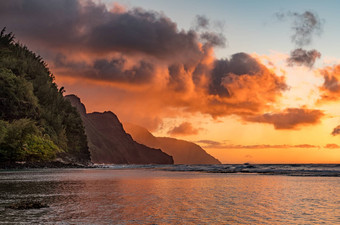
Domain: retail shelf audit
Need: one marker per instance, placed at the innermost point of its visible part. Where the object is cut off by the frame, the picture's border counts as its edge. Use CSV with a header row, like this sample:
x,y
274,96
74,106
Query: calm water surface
x,y
144,196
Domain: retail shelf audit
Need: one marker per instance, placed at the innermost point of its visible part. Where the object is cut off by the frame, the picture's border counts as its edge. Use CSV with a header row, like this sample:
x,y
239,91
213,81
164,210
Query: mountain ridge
x,y
109,143
183,152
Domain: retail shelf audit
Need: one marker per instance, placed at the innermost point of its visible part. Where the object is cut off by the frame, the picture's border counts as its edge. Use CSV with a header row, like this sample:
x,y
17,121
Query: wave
x,y
328,170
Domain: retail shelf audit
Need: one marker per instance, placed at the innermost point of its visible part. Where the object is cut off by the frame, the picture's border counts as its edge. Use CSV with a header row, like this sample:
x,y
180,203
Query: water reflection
x,y
104,196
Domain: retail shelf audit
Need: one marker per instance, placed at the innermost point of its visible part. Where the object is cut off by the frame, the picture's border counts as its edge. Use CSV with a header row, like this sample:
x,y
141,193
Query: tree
x,y
29,98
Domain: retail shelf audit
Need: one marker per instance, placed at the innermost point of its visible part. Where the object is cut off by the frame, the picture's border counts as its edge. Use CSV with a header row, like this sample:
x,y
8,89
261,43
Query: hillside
x,y
109,143
183,152
36,123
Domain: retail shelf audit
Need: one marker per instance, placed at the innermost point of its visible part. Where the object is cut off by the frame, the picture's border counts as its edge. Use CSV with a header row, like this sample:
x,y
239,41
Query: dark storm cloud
x,y
336,130
304,25
207,33
213,39
238,64
108,70
301,57
331,83
178,76
61,61
242,63
290,118
114,70
86,26
83,27
201,22
83,39
330,89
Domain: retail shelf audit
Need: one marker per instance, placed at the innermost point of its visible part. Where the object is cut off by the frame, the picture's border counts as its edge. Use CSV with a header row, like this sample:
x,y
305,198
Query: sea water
x,y
174,195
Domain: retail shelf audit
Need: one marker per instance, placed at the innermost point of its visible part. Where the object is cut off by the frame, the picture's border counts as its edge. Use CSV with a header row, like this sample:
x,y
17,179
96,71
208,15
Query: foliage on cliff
x,y
36,122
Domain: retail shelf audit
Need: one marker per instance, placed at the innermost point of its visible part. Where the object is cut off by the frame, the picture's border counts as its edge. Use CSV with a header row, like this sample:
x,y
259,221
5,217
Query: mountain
x,y
37,125
109,143
183,152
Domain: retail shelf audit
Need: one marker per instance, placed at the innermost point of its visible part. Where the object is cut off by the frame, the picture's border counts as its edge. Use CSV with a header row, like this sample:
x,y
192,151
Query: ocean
x,y
174,194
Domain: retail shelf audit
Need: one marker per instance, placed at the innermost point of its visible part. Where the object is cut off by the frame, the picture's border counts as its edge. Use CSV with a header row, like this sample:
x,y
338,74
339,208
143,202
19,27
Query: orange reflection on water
x,y
147,196
105,196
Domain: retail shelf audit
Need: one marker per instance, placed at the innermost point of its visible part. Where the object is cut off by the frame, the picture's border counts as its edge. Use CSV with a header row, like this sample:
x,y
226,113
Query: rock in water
x,y
27,205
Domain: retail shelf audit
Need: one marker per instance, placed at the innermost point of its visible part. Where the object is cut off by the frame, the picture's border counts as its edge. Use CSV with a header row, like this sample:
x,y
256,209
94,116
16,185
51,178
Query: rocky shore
x,y
54,164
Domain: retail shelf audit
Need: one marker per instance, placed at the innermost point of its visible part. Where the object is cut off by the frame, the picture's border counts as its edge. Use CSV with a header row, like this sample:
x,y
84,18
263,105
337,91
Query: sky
x,y
250,80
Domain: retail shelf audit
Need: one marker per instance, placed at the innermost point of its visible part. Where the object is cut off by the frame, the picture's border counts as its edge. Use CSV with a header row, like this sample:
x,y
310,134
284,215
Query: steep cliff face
x,y
109,143
183,152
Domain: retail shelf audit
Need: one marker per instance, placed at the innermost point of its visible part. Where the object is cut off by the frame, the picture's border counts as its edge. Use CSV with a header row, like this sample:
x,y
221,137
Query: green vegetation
x,y
36,122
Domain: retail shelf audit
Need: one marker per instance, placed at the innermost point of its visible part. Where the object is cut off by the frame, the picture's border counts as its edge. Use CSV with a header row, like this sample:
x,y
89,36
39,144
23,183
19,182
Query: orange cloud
x,y
239,85
139,64
290,118
183,129
336,130
219,145
332,146
330,89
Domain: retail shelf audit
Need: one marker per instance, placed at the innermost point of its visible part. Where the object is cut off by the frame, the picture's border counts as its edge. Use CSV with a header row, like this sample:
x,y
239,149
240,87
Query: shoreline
x,y
42,165
89,165
302,170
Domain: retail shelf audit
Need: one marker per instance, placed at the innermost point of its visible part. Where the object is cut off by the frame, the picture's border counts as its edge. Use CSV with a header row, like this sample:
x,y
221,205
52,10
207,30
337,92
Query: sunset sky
x,y
249,81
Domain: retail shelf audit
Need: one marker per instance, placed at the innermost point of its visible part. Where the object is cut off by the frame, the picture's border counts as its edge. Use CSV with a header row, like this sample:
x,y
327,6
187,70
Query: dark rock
x,y
27,205
51,164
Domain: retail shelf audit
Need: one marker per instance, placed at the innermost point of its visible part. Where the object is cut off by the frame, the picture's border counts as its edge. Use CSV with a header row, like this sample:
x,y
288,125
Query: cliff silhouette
x,y
109,143
183,152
